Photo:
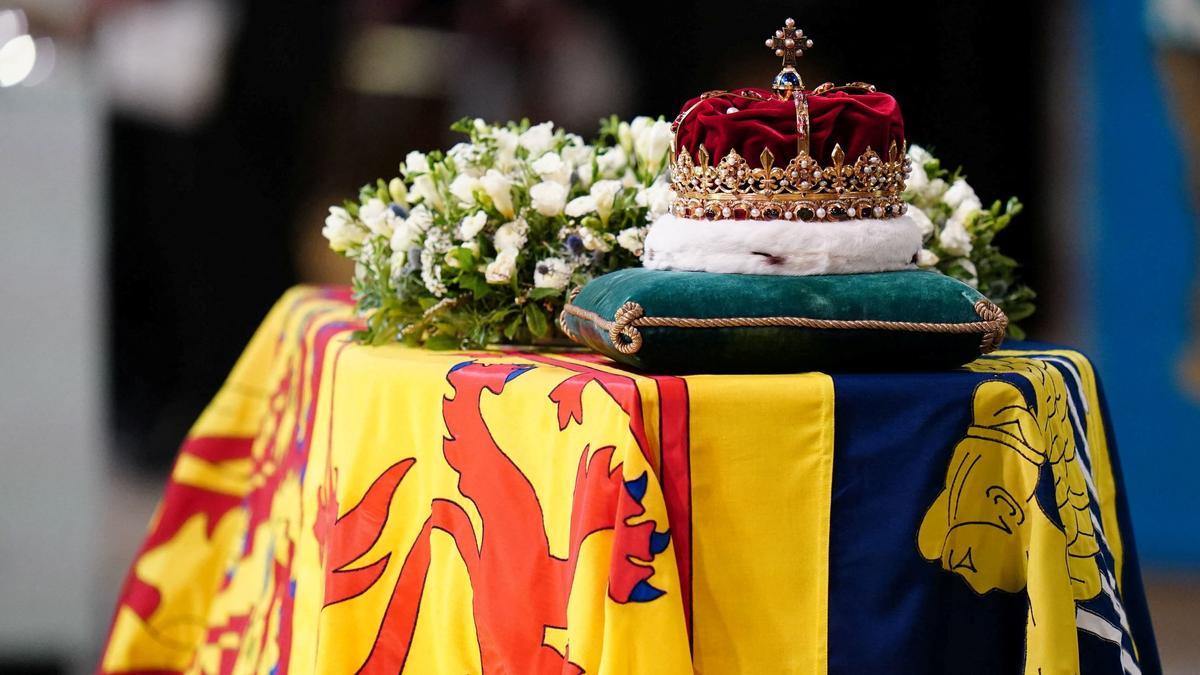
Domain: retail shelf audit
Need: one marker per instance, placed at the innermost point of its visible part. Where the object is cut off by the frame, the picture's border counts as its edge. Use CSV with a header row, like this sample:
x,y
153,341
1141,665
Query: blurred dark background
x,y
191,147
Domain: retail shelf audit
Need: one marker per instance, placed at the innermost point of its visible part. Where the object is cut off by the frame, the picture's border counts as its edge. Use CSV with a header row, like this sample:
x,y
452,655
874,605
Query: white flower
x,y
632,239
960,193
506,148
548,197
552,273
425,191
472,225
595,242
934,190
918,180
398,191
581,206
551,167
463,187
969,266
436,244
480,125
416,162
341,230
954,237
396,262
651,142
378,217
657,198
926,258
511,236
625,136
501,270
473,247
499,188
922,220
579,158
420,218
465,157
538,139
404,236
919,154
612,162
604,193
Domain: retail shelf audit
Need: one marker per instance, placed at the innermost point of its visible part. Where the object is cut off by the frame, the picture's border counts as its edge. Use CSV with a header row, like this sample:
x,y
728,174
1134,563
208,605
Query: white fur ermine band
x,y
785,247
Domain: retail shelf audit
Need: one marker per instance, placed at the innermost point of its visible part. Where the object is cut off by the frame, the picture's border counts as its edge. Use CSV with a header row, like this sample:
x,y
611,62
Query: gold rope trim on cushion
x,y
627,339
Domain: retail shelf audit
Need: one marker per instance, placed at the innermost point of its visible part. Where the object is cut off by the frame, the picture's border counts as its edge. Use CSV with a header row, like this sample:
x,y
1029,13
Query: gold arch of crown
x,y
804,189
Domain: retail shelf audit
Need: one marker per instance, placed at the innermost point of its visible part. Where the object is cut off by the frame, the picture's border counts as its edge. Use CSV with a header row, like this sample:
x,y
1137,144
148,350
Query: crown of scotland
x,y
790,153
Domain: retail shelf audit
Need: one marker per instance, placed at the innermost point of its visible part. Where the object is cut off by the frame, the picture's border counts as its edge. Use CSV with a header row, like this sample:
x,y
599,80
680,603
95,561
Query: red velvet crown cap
x,y
855,120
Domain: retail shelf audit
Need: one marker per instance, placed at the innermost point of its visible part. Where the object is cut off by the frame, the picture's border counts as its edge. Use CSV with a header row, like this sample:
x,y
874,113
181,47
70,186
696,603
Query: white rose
x,y
918,180
926,258
919,154
472,225
511,236
378,217
921,219
538,139
612,162
552,273
463,187
499,188
506,148
604,192
416,162
581,206
425,191
651,142
959,193
341,230
501,270
548,197
657,198
551,167
632,239
954,237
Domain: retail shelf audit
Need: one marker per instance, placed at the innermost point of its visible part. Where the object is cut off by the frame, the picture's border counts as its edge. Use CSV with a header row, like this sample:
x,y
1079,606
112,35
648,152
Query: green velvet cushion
x,y
955,321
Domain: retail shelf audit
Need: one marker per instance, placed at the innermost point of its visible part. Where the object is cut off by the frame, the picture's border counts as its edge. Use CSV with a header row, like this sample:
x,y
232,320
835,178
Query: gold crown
x,y
805,189
870,187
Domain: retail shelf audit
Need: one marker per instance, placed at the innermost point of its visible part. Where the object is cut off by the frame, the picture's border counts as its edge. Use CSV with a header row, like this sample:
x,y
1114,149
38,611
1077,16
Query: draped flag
x,y
339,508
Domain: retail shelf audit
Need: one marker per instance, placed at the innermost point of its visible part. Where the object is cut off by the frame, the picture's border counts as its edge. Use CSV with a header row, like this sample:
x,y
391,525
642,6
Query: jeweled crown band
x,y
804,189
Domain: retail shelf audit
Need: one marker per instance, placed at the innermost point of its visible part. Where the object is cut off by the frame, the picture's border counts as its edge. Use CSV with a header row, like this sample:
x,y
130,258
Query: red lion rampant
x,y
513,555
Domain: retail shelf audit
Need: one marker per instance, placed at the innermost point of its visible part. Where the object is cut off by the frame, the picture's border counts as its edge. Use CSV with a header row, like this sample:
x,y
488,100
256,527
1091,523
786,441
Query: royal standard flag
x,y
341,508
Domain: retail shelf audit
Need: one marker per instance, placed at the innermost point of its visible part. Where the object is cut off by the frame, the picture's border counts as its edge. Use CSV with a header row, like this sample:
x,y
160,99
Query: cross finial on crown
x,y
788,43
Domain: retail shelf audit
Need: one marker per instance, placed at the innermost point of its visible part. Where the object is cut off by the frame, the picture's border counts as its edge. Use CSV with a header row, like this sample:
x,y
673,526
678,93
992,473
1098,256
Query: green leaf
x,y
443,342
543,293
535,318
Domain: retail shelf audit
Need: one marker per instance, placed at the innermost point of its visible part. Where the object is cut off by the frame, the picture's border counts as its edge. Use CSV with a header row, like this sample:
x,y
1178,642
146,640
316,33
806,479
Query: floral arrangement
x,y
959,235
481,244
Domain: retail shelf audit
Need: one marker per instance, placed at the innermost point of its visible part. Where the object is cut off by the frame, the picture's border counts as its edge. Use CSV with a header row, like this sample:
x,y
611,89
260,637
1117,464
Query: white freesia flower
x,y
425,191
954,237
657,198
378,217
341,230
918,181
548,197
612,162
921,219
969,266
472,225
506,148
472,246
551,166
579,159
511,236
625,136
416,162
501,270
538,139
398,191
499,188
580,206
919,154
552,273
604,193
396,262
593,241
463,187
404,237
926,258
959,193
632,239
651,141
